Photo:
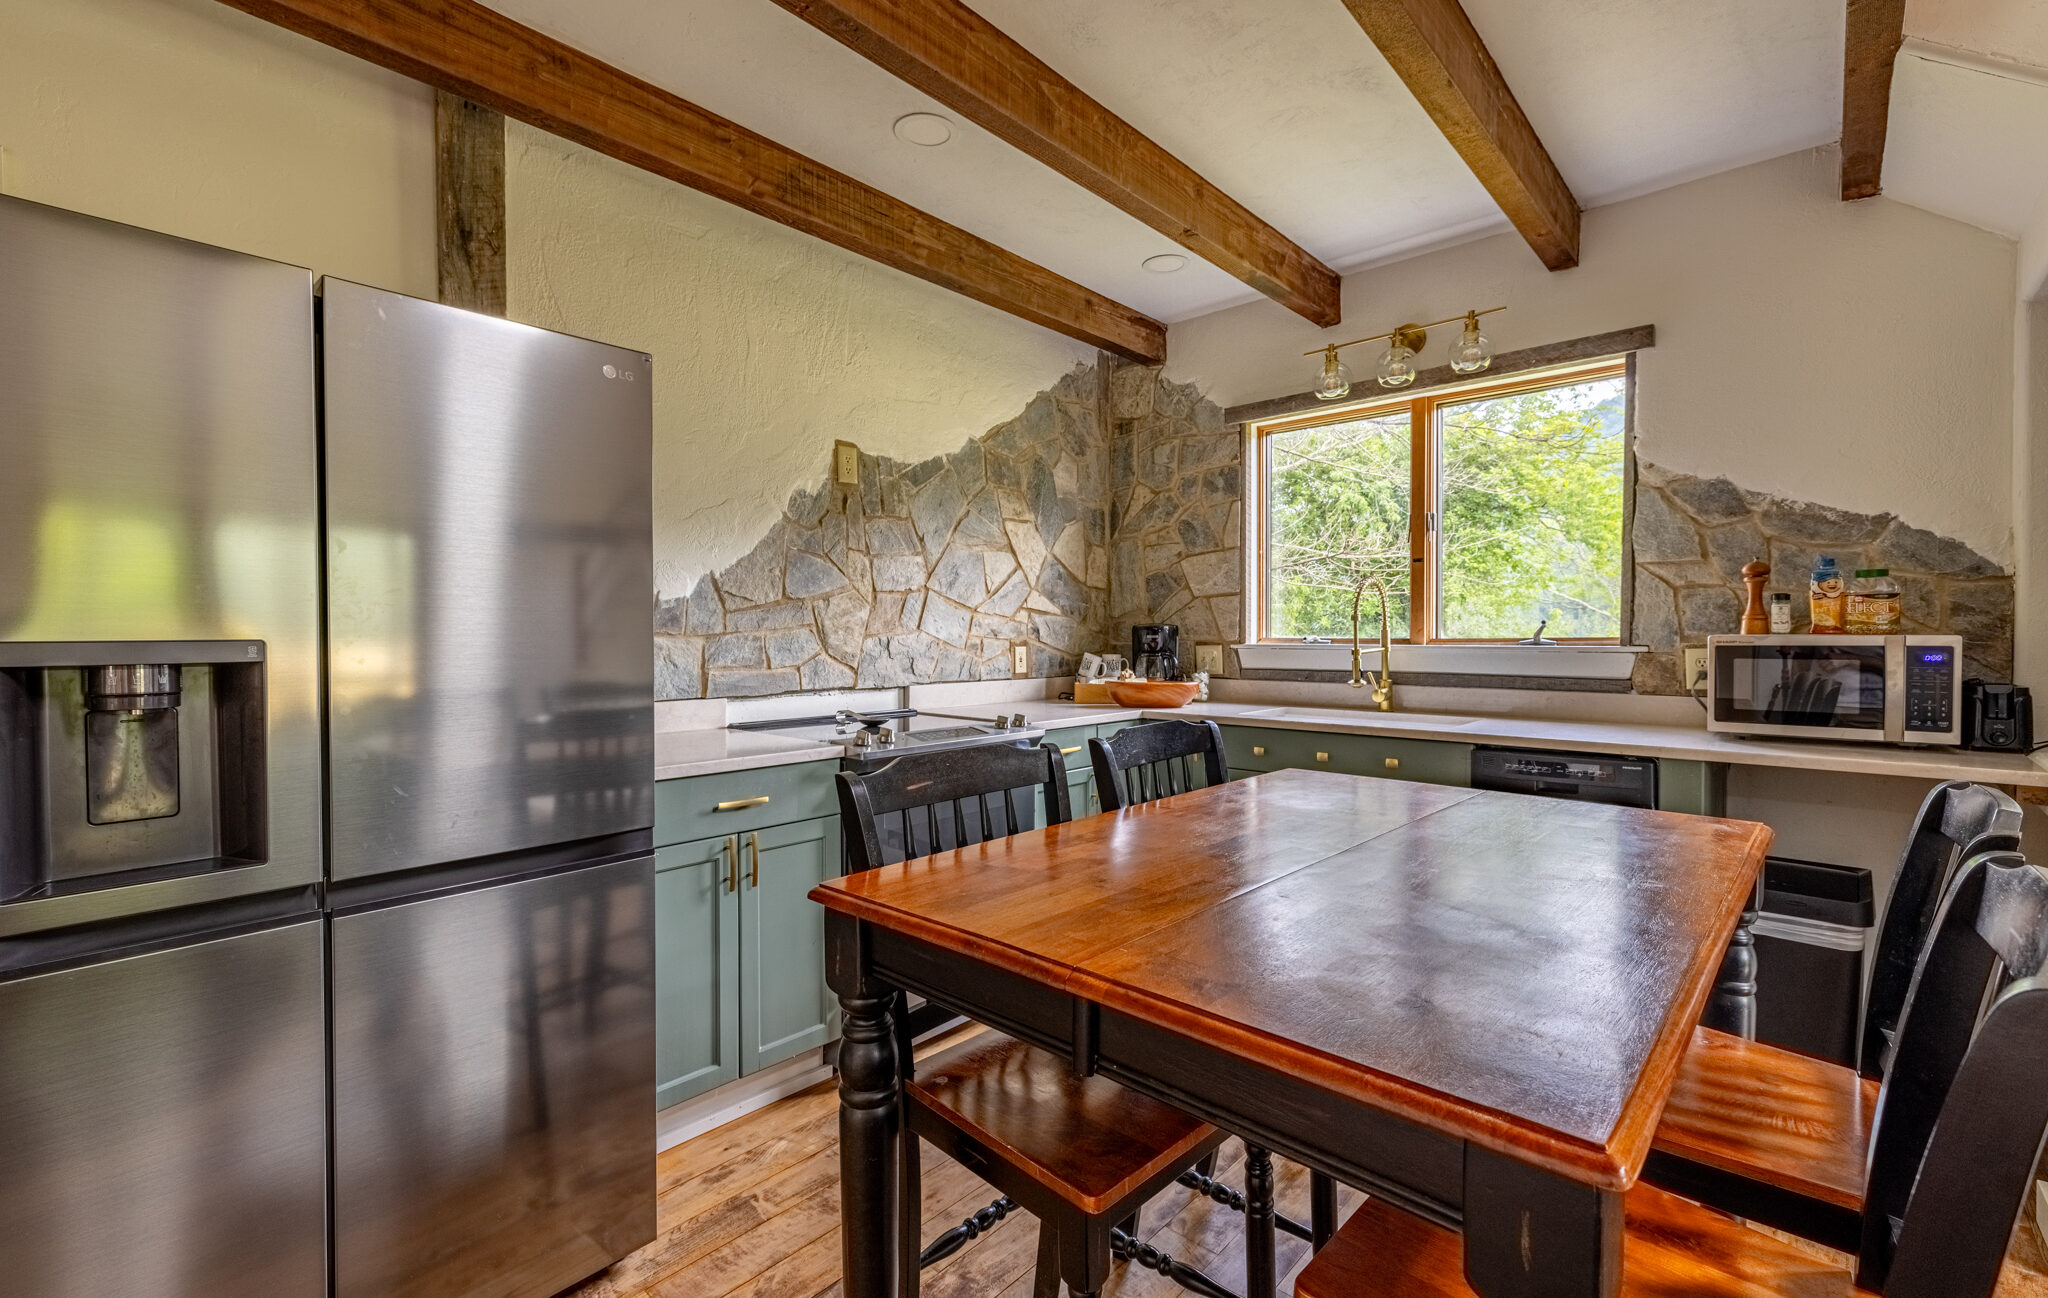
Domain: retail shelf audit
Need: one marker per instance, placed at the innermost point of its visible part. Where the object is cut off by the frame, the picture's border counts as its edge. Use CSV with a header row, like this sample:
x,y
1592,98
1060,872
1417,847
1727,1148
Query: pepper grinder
x,y
1755,620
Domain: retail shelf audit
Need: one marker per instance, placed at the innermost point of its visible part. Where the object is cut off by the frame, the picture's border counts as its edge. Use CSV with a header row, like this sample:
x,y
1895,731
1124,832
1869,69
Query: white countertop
x,y
679,753
1630,738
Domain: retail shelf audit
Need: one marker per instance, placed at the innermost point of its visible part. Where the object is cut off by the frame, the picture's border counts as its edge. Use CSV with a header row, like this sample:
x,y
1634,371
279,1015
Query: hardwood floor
x,y
751,1210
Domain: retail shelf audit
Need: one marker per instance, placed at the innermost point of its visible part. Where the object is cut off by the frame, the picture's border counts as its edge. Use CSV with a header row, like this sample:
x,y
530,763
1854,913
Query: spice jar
x,y
1779,605
1873,605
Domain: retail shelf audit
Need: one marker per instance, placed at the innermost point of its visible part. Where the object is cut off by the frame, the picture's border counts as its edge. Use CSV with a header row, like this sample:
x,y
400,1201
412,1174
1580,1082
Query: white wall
x,y
1854,354
187,117
2030,495
768,344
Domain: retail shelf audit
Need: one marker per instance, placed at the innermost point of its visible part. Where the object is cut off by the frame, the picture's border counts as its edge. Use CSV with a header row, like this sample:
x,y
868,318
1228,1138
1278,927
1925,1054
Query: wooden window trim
x,y
1424,456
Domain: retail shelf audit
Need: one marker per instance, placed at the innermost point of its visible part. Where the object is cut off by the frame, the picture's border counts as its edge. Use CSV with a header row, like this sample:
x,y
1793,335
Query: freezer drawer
x,y
493,1086
163,1123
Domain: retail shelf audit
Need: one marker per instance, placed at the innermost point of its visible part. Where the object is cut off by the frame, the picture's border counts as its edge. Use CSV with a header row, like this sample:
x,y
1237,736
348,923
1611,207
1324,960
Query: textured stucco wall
x,y
1858,354
768,344
187,117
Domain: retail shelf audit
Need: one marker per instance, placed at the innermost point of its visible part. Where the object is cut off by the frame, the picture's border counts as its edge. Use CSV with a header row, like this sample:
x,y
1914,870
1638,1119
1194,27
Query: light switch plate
x,y
1209,658
1695,669
846,463
1020,658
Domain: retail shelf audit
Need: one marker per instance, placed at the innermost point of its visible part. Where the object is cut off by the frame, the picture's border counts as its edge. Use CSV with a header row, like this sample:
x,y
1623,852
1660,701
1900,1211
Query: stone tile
x,y
1098,567
892,536
769,617
1708,610
757,577
1214,573
1800,520
968,468
1062,633
945,620
959,577
1912,549
1035,424
1734,545
1710,500
1657,673
808,506
1010,596
1656,615
981,526
752,684
737,650
823,673
1175,603
996,567
1056,584
670,615
1066,477
842,621
1195,532
1159,465
678,667
1071,549
792,647
1982,613
935,508
1048,512
1227,612
1131,390
808,576
706,615
1662,534
990,627
1160,587
899,572
955,665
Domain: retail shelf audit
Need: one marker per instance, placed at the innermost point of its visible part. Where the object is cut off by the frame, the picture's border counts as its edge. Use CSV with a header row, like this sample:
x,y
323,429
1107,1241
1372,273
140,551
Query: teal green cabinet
x,y
696,968
1256,749
785,1008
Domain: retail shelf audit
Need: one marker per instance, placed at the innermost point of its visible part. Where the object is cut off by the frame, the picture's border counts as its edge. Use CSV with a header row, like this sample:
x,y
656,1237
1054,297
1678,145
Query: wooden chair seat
x,y
1770,1115
1674,1249
1086,1140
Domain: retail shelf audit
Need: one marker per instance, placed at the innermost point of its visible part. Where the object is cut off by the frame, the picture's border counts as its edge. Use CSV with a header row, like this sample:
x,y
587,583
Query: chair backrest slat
x,y
924,793
1957,820
1155,760
1940,1106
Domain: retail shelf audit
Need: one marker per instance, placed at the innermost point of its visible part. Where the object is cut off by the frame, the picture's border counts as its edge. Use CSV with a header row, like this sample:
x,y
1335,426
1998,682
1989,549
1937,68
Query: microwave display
x,y
1834,687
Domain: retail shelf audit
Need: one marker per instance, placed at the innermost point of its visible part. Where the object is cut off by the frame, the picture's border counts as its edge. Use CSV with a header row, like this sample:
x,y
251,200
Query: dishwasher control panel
x,y
1579,777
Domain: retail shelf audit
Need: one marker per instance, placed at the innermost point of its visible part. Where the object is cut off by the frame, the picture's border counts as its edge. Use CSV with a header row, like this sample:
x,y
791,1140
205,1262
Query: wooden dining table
x,y
1470,1003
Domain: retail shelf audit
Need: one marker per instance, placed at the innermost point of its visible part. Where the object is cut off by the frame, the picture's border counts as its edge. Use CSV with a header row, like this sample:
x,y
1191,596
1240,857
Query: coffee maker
x,y
1155,652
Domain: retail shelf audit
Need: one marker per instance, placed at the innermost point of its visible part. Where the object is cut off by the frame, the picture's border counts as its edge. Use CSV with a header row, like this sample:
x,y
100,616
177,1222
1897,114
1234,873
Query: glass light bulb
x,y
1335,380
1397,366
1472,352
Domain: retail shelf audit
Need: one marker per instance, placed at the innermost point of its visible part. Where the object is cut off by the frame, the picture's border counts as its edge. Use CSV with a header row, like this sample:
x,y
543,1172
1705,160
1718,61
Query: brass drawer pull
x,y
1258,750
1393,763
731,852
754,872
1075,749
1322,757
740,804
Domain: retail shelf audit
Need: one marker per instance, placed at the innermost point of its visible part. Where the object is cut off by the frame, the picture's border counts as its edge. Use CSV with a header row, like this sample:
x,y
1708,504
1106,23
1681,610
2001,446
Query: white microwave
x,y
1874,689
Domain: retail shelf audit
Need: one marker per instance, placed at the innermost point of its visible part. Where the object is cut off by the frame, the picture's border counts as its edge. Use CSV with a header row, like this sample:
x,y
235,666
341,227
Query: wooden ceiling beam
x,y
1875,29
1438,53
959,58
468,50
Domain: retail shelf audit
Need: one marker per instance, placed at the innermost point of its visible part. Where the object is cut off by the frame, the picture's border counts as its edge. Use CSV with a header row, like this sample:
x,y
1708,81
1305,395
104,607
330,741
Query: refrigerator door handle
x,y
754,871
731,852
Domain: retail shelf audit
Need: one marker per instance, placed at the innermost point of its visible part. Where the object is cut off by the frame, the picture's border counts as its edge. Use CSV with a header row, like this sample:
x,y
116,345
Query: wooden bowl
x,y
1152,694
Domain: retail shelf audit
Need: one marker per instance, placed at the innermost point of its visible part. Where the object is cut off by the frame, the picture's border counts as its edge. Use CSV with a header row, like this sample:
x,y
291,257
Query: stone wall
x,y
1693,535
924,572
1176,517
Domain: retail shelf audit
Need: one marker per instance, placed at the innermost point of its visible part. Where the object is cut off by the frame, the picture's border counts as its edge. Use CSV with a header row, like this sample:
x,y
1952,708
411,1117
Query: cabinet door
x,y
696,968
785,1008
1082,799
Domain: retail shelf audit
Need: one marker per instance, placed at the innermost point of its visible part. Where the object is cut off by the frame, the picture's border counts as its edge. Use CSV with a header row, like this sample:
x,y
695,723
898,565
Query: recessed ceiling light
x,y
926,130
1164,263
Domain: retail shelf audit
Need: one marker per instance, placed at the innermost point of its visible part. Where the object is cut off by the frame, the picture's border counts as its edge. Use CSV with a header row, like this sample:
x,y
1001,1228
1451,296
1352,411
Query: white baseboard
x,y
692,1118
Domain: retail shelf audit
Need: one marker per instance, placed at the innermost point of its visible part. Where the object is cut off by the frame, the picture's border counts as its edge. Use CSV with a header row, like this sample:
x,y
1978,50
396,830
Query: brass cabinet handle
x,y
731,852
1075,749
738,804
1322,757
754,871
1393,763
1258,750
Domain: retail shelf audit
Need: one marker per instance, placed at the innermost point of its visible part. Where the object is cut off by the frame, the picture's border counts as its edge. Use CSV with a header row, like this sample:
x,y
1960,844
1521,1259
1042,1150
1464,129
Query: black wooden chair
x,y
1156,760
1960,1126
1082,1155
1781,1137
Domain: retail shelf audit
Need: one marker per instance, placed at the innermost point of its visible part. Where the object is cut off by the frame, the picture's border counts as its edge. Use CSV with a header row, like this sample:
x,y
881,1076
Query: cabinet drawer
x,y
1073,742
688,808
1431,761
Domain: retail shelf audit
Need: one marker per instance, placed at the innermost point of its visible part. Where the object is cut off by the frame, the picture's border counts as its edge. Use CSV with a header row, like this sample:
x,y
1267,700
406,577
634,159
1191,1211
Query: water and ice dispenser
x,y
127,762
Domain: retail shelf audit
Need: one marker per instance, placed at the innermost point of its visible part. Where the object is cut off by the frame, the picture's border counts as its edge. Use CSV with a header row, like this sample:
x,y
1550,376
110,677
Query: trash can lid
x,y
1833,894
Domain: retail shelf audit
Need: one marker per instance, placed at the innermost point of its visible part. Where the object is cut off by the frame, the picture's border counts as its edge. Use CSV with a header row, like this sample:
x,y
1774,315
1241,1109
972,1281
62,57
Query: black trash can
x,y
1810,937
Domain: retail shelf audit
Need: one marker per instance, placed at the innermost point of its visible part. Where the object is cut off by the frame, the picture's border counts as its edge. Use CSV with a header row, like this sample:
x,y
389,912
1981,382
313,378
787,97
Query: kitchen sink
x,y
1354,716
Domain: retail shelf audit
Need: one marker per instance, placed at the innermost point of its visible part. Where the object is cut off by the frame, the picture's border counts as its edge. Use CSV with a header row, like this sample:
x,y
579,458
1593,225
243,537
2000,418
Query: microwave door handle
x,y
1895,690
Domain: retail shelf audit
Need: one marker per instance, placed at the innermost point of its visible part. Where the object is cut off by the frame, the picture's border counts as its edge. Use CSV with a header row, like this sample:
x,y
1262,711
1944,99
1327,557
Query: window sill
x,y
1605,662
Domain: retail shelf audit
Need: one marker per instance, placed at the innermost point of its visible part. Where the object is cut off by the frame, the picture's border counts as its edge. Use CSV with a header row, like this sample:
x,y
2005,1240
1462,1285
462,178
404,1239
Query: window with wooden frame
x,y
1486,509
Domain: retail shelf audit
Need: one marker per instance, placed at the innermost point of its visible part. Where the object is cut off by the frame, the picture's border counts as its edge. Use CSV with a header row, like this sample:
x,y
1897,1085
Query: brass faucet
x,y
1383,684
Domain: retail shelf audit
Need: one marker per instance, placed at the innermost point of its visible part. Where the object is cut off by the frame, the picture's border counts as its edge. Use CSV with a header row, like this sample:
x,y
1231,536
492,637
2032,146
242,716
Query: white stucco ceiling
x,y
1288,107
1967,142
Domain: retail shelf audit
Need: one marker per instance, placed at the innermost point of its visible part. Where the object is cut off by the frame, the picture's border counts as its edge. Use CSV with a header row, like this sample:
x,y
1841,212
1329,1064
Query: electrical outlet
x,y
1209,658
1020,658
846,463
1696,669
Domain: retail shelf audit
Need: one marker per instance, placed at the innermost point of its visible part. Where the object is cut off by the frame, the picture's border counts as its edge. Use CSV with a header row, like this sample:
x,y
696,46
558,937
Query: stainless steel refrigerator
x,y
490,798
420,1063
162,1036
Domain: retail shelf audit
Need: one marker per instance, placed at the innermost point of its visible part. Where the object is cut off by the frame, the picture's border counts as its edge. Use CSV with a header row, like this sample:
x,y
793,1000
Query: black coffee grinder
x,y
1155,652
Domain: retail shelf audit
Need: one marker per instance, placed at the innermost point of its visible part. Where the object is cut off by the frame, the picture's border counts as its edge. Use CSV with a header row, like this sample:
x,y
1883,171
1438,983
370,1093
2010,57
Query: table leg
x,y
1532,1234
870,1119
1732,1008
1261,1276
1322,1209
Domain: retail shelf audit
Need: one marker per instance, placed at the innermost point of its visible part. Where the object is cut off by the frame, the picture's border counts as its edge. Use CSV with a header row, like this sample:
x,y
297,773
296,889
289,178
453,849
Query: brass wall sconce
x,y
1471,353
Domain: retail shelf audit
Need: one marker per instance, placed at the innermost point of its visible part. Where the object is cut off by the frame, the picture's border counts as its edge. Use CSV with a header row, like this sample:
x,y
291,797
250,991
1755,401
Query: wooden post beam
x,y
964,61
468,50
469,203
1874,30
1437,51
